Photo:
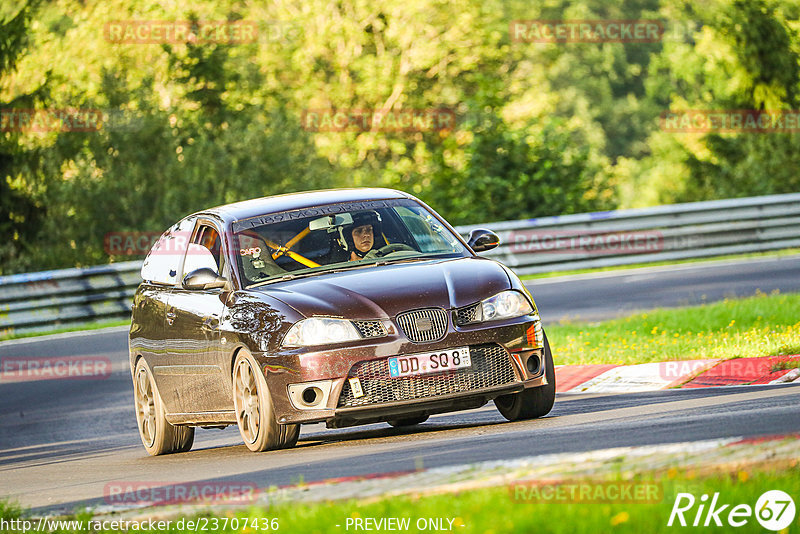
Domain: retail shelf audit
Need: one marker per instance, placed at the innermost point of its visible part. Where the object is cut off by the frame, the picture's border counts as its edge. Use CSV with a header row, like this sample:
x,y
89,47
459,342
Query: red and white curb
x,y
610,378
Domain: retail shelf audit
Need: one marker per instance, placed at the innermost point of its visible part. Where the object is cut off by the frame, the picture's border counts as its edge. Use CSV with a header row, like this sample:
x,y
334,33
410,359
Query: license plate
x,y
429,362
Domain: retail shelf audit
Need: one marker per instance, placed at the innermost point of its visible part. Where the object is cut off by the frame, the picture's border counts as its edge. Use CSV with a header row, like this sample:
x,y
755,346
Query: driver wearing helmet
x,y
360,236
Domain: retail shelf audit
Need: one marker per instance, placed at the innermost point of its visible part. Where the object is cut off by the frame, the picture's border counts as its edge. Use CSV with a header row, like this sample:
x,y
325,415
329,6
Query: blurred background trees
x,y
542,129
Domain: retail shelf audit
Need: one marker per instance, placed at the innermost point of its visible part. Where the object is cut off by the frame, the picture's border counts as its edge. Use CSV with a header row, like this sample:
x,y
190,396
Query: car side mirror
x,y
204,278
481,239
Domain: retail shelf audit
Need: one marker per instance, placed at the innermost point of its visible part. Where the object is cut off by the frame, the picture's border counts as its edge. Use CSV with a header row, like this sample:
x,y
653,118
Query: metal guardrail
x,y
662,233
49,300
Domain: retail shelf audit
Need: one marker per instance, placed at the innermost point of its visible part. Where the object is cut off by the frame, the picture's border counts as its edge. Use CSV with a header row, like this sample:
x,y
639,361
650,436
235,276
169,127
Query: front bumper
x,y
506,371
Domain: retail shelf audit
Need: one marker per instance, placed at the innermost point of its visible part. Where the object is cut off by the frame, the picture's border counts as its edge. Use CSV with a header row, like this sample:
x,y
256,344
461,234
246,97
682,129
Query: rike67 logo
x,y
774,510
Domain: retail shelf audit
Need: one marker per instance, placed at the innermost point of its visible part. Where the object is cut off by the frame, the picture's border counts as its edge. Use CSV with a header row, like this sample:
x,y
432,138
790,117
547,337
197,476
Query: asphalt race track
x,y
595,297
63,441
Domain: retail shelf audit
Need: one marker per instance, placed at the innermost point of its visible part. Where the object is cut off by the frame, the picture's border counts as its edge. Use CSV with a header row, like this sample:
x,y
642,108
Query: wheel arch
x,y
134,359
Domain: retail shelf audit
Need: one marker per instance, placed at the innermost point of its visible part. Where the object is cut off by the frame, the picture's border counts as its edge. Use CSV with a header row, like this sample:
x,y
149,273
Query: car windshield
x,y
309,241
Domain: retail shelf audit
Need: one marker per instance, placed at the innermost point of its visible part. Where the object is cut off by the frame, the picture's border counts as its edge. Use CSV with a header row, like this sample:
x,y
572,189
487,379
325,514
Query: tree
x,y
745,56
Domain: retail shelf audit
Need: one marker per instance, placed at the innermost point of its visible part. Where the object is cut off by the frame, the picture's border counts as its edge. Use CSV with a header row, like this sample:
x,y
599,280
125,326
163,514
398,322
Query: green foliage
x,y
10,510
542,128
506,165
745,56
18,210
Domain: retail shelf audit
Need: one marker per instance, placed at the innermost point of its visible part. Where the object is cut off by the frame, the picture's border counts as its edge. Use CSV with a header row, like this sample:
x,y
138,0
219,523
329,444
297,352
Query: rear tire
x,y
409,421
255,414
534,402
158,435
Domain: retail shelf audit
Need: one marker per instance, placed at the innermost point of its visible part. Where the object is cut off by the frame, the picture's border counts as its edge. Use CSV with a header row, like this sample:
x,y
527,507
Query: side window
x,y
204,251
163,261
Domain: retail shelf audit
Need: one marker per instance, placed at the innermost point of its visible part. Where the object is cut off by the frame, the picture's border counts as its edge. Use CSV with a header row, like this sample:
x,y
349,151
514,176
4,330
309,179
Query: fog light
x,y
310,395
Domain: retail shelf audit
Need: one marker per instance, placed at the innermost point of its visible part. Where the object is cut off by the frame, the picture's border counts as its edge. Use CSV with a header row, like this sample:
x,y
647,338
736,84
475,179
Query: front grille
x,y
491,366
468,314
423,326
370,328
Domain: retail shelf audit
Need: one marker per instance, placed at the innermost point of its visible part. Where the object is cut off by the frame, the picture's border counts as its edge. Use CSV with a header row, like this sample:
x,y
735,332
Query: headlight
x,y
320,331
505,305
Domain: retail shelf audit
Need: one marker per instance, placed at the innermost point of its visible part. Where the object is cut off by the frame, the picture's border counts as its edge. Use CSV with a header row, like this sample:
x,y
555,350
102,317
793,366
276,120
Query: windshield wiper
x,y
401,260
283,278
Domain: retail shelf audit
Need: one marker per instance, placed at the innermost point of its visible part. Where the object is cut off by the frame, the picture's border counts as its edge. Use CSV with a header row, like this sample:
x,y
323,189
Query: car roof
x,y
246,209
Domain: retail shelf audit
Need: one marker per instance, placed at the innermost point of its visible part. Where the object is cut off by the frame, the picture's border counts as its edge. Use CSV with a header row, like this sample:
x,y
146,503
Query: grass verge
x,y
763,325
75,328
515,508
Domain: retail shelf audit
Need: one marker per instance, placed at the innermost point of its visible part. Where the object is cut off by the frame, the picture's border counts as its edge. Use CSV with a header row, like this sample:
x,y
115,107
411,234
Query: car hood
x,y
387,290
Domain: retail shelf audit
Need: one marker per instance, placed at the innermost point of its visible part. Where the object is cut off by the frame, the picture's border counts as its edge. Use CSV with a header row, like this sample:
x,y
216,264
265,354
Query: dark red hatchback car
x,y
346,306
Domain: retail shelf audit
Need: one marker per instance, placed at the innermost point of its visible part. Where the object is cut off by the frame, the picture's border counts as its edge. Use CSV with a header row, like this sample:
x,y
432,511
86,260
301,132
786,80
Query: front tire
x,y
534,402
255,414
158,435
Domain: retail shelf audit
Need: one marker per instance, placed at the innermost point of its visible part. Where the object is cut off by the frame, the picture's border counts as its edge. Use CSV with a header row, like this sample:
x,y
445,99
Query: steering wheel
x,y
394,247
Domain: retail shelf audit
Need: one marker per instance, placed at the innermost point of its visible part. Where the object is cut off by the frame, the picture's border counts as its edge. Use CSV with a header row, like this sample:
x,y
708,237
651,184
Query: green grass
x,y
75,328
10,510
764,325
504,509
787,365
751,255
495,510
